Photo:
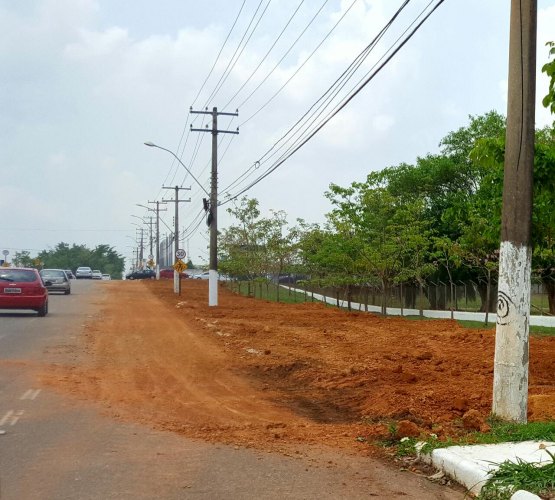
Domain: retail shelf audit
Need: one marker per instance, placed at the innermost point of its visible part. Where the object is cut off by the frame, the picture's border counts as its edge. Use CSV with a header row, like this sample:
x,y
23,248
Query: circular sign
x,y
151,257
5,252
179,253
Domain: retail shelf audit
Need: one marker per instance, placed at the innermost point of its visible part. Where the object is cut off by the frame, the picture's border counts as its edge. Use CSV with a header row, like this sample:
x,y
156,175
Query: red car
x,y
22,288
168,273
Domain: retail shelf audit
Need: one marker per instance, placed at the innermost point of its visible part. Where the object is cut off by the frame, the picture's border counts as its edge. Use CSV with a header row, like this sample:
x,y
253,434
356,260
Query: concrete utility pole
x,y
157,210
213,207
176,282
141,249
510,376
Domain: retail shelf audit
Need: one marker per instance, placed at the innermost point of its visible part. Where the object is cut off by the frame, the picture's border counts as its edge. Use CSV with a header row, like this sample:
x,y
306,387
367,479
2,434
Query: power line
x,y
266,55
341,106
219,54
233,60
281,60
331,93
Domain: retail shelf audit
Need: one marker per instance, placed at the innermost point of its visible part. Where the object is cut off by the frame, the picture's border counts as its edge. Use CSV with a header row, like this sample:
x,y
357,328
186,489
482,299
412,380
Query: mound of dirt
x,y
262,374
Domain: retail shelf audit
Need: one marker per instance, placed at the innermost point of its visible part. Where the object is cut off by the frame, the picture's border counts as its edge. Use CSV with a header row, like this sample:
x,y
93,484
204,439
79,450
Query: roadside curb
x,y
471,465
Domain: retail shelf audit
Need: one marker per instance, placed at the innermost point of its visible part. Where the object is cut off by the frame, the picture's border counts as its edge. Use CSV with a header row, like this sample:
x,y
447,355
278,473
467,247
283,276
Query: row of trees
x,y
435,220
63,256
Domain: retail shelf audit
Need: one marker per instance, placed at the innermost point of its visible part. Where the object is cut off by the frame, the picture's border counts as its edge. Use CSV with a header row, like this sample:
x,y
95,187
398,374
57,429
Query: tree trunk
x,y
549,284
410,297
349,297
483,291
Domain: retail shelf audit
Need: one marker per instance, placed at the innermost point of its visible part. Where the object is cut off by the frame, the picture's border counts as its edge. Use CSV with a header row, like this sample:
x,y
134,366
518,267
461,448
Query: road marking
x,y
6,417
12,417
17,417
30,394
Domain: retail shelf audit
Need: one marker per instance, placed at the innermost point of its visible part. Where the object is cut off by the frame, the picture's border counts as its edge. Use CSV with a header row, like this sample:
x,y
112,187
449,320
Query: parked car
x,y
83,273
168,273
70,274
96,275
206,275
22,288
141,274
57,280
106,277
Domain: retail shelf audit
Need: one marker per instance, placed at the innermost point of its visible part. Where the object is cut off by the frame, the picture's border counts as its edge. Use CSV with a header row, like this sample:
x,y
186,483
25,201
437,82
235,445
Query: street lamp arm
x,y
152,145
144,206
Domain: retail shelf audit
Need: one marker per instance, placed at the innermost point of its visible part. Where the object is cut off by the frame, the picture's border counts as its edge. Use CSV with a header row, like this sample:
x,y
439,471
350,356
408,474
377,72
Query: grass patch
x,y
511,477
270,292
501,432
535,330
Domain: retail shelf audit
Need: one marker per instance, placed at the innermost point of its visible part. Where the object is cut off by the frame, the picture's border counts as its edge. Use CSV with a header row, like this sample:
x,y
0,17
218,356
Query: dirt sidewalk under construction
x,y
268,375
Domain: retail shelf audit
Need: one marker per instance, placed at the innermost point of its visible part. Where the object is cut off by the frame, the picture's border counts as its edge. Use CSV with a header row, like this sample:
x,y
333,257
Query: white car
x,y
106,277
96,275
206,275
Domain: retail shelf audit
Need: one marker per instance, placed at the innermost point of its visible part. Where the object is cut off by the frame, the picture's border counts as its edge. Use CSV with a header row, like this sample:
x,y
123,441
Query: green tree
x,y
102,257
549,69
23,259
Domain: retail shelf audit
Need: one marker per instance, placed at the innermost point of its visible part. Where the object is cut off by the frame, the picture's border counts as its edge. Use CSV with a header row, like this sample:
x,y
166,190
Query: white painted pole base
x,y
175,281
212,287
510,375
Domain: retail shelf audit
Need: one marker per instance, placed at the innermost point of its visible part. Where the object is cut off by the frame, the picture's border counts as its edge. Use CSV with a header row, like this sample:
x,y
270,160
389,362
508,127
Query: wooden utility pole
x,y
177,201
510,377
213,207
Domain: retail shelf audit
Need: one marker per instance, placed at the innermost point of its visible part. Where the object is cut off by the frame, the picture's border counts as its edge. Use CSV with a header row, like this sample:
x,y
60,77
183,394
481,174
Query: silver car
x,y
83,272
56,280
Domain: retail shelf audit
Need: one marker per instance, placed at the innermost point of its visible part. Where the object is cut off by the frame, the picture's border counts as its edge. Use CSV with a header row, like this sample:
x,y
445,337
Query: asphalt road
x,y
53,446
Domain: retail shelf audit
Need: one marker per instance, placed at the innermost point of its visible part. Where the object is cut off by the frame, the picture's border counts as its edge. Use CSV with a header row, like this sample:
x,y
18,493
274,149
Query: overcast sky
x,y
84,83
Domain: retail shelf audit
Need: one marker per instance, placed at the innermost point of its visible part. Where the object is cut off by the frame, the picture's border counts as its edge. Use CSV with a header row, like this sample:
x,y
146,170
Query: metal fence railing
x,y
467,296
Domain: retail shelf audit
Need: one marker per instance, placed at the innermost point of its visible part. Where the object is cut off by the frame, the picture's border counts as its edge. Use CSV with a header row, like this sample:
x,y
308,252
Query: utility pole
x,y
510,376
157,210
213,206
176,281
141,250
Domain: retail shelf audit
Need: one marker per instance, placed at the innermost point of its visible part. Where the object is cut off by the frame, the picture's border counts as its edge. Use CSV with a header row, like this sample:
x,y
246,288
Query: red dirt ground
x,y
266,375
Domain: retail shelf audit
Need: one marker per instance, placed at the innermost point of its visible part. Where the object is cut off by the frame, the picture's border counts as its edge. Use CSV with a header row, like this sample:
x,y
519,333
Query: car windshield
x,y
52,273
21,275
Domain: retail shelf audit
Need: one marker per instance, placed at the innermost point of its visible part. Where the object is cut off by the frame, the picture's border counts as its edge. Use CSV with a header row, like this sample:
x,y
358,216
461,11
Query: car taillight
x,y
35,290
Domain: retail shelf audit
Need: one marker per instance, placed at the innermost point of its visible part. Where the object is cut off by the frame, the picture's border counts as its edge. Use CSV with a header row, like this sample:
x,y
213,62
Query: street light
x,y
152,145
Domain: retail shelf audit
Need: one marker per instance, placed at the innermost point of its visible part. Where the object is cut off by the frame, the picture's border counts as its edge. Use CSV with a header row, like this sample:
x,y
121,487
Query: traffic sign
x,y
150,263
6,252
151,257
180,253
179,266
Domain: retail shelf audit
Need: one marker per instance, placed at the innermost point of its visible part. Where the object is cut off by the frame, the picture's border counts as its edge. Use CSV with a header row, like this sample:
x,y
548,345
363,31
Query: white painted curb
x,y
471,465
524,495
